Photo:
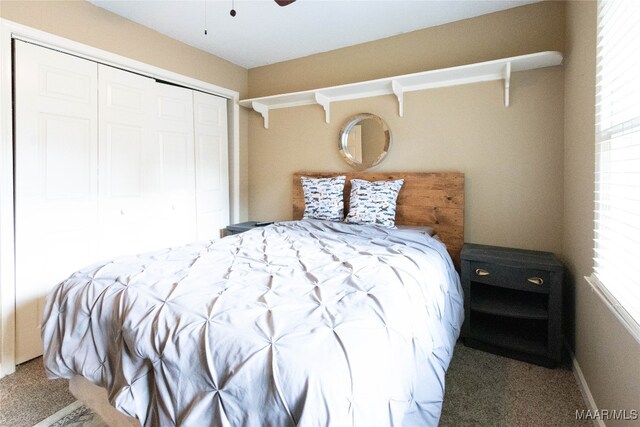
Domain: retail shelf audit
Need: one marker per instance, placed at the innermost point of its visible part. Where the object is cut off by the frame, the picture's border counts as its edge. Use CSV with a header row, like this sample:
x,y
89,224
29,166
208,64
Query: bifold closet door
x,y
212,168
146,164
126,103
174,203
56,160
108,163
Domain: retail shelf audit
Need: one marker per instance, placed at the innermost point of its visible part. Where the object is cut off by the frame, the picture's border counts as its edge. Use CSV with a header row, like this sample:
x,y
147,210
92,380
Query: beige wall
x,y
80,21
518,31
512,157
606,352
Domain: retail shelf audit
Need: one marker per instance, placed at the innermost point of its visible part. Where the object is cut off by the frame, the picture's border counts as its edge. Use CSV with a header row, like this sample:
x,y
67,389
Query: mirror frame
x,y
344,137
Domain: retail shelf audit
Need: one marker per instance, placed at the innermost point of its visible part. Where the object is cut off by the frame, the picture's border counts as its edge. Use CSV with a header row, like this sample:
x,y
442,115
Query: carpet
x,y
74,415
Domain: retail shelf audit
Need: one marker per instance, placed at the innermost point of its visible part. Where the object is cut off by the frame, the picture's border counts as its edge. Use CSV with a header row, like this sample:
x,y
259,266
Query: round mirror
x,y
364,140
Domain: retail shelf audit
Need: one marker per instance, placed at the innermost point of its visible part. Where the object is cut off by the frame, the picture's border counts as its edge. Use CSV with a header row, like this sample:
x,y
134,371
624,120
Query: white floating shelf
x,y
499,69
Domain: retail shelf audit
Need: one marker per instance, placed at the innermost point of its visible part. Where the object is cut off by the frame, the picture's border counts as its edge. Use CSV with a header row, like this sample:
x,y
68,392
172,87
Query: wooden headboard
x,y
433,199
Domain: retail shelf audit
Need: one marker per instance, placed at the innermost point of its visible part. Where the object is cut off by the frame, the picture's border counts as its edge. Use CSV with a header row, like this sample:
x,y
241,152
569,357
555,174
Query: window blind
x,y
617,178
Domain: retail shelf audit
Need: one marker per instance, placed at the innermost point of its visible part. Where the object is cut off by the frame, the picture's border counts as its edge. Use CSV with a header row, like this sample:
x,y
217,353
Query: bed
x,y
303,322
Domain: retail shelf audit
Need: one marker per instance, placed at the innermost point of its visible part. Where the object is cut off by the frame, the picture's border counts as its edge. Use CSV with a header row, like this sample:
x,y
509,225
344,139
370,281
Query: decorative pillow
x,y
323,198
373,202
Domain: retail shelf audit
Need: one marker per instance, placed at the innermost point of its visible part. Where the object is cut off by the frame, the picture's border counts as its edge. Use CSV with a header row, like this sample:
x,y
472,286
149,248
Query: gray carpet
x,y
74,415
482,389
27,397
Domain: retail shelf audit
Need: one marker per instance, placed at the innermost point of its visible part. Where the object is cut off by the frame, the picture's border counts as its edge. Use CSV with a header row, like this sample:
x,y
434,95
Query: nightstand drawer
x,y
526,279
529,279
484,272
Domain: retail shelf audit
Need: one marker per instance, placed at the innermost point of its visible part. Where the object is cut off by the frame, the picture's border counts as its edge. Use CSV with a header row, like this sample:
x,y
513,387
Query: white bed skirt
x,y
95,398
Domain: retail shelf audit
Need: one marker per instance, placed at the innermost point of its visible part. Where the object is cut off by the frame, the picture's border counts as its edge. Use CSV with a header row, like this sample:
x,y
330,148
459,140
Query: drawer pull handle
x,y
535,280
482,272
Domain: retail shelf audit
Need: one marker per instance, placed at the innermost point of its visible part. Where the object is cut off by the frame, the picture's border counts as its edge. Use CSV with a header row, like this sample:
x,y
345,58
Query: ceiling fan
x,y
279,2
233,10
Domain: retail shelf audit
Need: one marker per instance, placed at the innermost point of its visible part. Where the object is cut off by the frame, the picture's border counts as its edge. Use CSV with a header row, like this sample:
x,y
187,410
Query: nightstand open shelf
x,y
513,302
524,335
508,302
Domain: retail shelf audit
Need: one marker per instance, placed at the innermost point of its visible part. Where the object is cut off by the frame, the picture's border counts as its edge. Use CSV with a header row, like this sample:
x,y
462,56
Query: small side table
x,y
244,226
513,302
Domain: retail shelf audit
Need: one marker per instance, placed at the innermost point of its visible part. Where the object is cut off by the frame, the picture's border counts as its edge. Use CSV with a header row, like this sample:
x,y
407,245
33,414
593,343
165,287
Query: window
x,y
617,207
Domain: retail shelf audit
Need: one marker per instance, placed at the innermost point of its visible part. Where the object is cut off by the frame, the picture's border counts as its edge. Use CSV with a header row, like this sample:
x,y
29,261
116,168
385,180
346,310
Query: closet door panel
x,y
174,222
126,103
212,176
62,149
124,147
55,179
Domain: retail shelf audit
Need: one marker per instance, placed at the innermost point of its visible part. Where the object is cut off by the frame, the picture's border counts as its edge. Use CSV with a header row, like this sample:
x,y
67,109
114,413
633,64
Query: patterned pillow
x,y
323,198
373,202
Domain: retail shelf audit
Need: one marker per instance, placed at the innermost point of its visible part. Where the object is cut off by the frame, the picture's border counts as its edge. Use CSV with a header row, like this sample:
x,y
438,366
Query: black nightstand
x,y
513,302
244,226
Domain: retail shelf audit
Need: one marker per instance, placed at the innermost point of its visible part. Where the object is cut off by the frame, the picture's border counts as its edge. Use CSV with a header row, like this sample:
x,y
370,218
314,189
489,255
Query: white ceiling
x,y
264,33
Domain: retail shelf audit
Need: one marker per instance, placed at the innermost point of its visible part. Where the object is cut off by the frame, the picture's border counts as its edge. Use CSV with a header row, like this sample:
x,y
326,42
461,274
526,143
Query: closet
x,y
107,163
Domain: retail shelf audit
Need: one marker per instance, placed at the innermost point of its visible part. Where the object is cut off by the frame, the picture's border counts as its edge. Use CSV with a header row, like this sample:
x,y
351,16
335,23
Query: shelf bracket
x,y
398,91
507,83
262,109
325,102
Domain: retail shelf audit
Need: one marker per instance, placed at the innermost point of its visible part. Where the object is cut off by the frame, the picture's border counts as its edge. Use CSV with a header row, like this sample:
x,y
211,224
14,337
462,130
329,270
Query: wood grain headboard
x,y
433,199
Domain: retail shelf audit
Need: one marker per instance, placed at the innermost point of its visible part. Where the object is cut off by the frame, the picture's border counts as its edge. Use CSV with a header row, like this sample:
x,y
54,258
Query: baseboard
x,y
584,388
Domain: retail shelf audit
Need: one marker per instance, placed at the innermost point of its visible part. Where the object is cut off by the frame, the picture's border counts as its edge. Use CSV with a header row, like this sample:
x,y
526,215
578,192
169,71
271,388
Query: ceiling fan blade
x,y
284,2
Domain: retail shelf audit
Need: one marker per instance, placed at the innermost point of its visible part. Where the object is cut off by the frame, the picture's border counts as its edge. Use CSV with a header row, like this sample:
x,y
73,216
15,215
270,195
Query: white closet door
x,y
108,163
172,221
55,179
212,169
126,105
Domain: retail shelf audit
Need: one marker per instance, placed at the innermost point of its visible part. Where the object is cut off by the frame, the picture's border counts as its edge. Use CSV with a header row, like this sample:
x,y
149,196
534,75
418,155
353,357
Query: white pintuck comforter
x,y
303,323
